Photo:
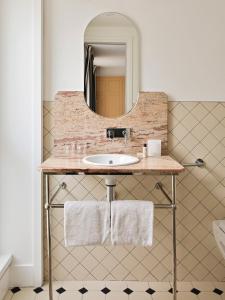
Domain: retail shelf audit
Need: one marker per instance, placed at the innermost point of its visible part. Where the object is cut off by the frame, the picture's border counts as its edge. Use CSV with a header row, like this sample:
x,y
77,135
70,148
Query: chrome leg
x,y
48,221
110,196
110,192
174,237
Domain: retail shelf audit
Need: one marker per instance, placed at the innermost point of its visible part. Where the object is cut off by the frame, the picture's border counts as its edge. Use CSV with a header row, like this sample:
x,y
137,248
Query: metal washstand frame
x,y
110,197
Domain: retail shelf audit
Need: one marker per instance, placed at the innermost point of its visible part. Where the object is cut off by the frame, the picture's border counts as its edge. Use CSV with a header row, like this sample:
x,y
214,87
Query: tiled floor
x,y
121,290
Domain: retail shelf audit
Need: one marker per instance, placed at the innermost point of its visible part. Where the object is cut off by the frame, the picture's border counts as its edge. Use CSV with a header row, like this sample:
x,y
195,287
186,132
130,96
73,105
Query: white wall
x,y
182,45
16,136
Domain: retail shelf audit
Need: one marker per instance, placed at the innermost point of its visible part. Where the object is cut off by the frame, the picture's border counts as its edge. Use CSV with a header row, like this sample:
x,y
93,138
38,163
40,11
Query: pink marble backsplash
x,y
75,123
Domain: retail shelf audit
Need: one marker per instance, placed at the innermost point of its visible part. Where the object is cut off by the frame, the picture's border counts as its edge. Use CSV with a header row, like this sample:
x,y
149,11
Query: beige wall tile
x,y
196,130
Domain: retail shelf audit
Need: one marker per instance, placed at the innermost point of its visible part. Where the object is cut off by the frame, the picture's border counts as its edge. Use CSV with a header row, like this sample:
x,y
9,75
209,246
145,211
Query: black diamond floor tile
x,y
16,289
60,290
171,291
218,291
83,290
150,291
105,290
195,291
38,290
128,291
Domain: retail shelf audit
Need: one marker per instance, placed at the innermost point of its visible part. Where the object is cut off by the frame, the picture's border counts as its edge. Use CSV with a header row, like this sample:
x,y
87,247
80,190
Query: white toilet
x,y
219,233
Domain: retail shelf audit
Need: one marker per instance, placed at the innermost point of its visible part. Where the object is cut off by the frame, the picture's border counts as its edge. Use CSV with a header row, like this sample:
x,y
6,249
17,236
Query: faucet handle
x,y
110,133
126,134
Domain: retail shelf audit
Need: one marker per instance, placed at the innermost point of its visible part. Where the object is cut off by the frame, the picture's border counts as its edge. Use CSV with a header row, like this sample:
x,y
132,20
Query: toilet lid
x,y
219,234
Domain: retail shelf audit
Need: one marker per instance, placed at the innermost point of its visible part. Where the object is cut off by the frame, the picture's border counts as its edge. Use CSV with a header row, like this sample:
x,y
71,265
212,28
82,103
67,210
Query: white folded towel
x,y
132,222
86,222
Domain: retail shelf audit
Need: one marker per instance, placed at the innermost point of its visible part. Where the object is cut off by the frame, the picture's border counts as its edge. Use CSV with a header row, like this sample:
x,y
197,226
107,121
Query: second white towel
x,y
132,222
86,222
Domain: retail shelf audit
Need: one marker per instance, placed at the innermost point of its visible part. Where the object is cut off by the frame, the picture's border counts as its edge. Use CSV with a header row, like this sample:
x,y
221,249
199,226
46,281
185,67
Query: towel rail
x,y
155,205
198,163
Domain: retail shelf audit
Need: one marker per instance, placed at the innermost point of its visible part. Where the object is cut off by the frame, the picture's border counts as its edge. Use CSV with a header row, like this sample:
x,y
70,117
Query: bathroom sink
x,y
110,159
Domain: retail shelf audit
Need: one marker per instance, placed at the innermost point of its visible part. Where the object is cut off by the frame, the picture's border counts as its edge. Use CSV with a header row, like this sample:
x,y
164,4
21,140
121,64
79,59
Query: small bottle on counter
x,y
145,151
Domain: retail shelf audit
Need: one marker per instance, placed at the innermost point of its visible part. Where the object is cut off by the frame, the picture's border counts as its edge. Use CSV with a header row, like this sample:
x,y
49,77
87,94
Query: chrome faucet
x,y
125,133
112,133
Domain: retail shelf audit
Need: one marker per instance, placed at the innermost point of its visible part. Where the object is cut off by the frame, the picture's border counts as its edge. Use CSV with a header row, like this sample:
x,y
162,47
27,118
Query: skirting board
x,y
22,275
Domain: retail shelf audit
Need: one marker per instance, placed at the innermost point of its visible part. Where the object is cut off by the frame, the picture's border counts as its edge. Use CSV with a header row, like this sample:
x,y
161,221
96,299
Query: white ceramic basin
x,y
110,159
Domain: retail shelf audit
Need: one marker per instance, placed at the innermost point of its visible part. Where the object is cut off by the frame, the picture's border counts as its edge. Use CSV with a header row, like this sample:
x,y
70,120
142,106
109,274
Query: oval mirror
x,y
111,81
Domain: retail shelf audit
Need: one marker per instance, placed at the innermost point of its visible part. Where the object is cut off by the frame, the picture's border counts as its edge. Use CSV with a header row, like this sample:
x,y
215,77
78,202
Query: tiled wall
x,y
196,129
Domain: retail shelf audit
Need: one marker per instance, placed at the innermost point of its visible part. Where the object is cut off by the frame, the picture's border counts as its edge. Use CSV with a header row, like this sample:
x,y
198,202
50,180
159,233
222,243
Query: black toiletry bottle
x,y
145,151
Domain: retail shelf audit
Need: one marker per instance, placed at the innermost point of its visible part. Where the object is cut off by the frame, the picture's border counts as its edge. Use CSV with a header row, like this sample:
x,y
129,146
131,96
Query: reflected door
x,y
110,96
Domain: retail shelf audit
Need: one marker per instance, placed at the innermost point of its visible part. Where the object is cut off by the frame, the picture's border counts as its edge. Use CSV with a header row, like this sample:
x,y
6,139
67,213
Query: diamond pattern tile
x,y
136,291
60,290
195,291
83,290
150,291
196,129
128,291
218,291
105,291
38,290
15,290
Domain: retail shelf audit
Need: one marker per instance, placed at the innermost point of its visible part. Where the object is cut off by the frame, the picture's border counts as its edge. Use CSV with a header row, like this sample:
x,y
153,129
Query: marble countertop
x,y
149,165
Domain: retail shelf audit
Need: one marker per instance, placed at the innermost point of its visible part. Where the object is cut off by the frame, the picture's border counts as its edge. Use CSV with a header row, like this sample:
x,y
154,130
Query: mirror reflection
x,y
111,65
